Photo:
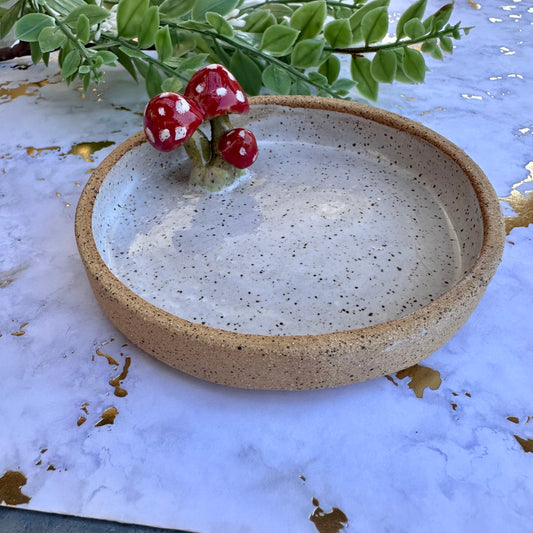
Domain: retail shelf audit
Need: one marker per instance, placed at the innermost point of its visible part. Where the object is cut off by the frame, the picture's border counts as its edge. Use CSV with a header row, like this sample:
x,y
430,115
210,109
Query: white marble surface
x,y
186,454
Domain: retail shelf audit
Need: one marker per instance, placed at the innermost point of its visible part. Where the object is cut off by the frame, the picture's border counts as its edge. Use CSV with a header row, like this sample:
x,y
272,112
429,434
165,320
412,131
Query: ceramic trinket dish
x,y
357,245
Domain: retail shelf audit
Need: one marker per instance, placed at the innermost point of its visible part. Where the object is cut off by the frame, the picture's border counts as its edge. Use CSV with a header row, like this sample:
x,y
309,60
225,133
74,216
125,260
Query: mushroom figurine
x,y
172,119
217,92
238,147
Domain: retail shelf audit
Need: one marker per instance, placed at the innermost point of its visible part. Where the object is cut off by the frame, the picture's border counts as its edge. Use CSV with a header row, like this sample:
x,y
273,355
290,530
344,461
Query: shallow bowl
x,y
357,245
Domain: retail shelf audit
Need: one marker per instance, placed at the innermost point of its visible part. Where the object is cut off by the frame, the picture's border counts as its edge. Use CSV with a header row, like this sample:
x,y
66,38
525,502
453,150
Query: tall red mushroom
x,y
217,92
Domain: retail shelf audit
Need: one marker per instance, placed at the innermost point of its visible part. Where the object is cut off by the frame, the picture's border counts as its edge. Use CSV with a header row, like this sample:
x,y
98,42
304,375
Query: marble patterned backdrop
x,y
91,426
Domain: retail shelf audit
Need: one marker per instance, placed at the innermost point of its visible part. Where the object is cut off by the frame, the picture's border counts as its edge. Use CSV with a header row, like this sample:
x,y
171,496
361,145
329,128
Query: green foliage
x,y
283,47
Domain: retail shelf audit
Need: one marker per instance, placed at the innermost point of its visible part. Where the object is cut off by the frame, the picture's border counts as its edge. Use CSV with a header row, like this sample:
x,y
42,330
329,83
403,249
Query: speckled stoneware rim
x,y
305,361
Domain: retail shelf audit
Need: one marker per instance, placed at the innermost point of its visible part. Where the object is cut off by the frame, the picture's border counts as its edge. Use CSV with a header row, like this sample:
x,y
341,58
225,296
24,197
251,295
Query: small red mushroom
x,y
216,91
238,147
170,119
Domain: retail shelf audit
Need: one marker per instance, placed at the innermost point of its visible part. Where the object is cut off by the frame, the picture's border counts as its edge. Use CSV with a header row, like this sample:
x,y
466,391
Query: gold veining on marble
x,y
473,4
438,108
51,468
11,484
110,359
116,382
24,89
422,377
87,149
527,444
81,420
454,406
84,407
513,419
331,522
520,203
36,152
108,417
21,330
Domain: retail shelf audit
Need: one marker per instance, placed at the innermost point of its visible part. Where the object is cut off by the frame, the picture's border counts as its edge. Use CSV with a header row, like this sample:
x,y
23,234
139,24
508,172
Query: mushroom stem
x,y
209,169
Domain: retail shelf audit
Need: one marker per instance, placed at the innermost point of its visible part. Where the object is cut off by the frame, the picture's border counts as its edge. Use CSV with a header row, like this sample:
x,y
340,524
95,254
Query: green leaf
x,y
163,43
132,52
107,57
30,26
258,21
70,64
343,86
9,18
51,38
366,84
280,11
84,69
222,7
193,62
375,24
172,84
153,81
383,66
278,39
83,28
309,19
330,68
428,46
442,16
300,87
175,9
356,19
415,10
36,54
126,62
130,14
276,79
307,53
141,66
149,27
414,28
95,14
436,53
446,44
414,65
247,72
317,78
338,33
219,23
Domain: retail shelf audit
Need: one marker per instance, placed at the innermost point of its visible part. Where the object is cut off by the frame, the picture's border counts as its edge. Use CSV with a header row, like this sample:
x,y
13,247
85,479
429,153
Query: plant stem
x,y
330,3
395,44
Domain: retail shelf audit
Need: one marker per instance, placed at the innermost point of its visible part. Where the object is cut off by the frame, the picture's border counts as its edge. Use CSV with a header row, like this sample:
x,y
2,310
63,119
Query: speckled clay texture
x,y
358,244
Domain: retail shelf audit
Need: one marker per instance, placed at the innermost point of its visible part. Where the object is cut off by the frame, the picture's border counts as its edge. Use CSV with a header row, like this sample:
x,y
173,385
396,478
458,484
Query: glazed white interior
x,y
341,223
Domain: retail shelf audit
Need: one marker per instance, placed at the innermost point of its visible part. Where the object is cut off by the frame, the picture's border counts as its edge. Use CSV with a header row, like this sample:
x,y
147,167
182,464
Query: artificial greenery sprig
x,y
276,46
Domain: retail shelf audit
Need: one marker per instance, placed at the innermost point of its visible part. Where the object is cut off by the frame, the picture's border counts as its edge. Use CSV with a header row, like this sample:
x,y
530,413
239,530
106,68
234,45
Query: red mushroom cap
x,y
238,147
216,91
170,119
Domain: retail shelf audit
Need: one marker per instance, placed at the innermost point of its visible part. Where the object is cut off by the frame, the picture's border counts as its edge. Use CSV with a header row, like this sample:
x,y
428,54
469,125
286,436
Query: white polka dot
x,y
255,157
240,96
231,76
164,135
222,91
182,106
213,66
180,133
164,95
242,151
242,134
161,111
149,135
200,88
